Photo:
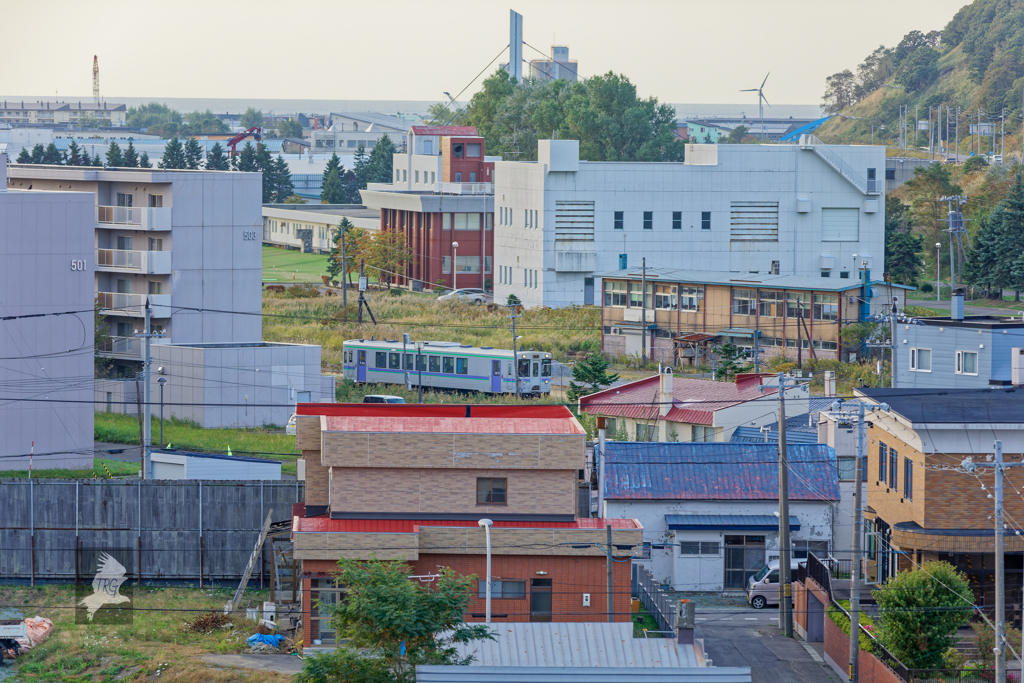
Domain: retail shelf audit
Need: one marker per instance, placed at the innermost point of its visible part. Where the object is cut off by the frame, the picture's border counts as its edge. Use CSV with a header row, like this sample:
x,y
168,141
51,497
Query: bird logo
x,y
106,586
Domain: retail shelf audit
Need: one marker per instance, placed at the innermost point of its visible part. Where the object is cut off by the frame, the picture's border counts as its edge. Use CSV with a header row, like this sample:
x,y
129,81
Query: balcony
x,y
120,260
465,188
134,217
121,347
134,305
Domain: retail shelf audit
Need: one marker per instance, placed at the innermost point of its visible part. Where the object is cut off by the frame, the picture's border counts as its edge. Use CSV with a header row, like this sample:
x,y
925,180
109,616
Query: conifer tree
x,y
144,161
96,161
215,158
37,153
589,376
193,154
131,157
380,164
361,166
74,157
334,191
265,165
333,164
246,159
52,155
24,157
334,264
285,187
114,157
174,155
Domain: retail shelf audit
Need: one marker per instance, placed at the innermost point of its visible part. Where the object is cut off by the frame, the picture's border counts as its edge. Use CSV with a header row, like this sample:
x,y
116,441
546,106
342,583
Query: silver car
x,y
472,295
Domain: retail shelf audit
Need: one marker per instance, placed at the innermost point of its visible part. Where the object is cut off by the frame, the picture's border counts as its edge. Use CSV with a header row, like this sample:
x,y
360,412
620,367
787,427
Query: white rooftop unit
x,y
174,464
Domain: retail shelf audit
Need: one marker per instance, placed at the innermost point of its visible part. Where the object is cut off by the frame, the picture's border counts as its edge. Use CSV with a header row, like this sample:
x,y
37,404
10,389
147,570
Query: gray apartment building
x,y
46,362
186,242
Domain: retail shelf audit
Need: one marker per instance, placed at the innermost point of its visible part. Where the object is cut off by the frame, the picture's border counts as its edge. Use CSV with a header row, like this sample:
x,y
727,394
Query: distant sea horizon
x,y
419,107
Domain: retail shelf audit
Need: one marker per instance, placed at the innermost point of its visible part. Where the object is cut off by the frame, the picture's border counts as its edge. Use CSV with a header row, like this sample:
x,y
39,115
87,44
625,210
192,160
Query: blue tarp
x,y
273,641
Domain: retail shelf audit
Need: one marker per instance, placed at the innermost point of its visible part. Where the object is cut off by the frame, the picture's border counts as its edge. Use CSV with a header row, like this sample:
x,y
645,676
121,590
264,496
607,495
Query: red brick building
x,y
442,195
410,483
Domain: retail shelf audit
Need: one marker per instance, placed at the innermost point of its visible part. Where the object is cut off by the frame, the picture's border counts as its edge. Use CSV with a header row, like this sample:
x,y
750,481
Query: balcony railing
x,y
119,215
465,188
119,258
121,346
120,301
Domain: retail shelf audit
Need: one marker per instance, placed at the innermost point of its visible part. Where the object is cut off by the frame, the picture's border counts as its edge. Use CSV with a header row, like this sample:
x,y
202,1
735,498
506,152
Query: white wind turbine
x,y
761,101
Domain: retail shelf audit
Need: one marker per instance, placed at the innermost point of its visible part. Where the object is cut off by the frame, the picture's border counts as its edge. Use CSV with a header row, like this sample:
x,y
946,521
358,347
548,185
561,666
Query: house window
x,y
705,220
618,220
648,220
490,491
894,460
646,432
446,265
473,149
435,364
967,362
743,302
848,468
921,360
826,307
635,289
461,366
614,293
700,548
771,304
449,365
382,359
908,478
883,452
690,298
665,297
677,220
156,201
502,589
703,434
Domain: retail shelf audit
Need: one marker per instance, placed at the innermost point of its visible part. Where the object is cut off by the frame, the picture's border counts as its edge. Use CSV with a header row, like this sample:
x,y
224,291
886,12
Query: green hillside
x,y
975,61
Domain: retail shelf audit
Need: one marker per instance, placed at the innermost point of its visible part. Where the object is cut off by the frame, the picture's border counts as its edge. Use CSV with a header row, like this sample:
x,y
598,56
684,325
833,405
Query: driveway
x,y
746,637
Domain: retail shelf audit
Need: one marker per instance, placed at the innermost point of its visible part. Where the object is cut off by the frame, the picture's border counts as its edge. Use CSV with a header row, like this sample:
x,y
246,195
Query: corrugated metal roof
x,y
755,435
717,471
325,524
558,674
593,644
731,522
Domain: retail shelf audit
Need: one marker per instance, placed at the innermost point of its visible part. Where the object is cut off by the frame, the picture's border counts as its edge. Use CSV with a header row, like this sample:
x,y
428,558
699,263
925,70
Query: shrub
x,y
840,619
927,287
974,164
303,291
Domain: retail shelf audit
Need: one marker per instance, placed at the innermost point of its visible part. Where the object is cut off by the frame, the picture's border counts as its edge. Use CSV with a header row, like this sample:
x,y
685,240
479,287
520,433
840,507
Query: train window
x,y
362,357
462,366
382,359
524,368
421,362
496,368
449,365
545,368
510,372
435,363
536,370
395,361
408,361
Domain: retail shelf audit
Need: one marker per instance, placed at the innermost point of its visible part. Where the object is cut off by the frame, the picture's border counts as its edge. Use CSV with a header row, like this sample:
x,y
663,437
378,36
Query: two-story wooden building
x,y
411,482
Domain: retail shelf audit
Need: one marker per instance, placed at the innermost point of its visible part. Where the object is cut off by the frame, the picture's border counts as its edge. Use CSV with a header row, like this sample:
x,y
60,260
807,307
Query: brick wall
x,y
837,645
317,477
800,605
331,546
392,490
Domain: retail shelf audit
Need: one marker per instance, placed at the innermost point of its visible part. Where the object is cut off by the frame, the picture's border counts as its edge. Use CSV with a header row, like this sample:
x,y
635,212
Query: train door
x,y
496,376
361,366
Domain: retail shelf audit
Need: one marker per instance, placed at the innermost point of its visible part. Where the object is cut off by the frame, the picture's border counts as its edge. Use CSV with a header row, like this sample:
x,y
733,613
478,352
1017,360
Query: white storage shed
x,y
175,464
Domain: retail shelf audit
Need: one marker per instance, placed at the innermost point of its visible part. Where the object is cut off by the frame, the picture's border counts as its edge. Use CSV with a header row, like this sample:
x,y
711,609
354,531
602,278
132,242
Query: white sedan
x,y
469,294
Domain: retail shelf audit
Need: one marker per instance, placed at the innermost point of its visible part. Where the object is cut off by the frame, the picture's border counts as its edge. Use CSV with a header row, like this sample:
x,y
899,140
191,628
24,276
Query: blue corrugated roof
x,y
755,435
730,522
717,471
806,128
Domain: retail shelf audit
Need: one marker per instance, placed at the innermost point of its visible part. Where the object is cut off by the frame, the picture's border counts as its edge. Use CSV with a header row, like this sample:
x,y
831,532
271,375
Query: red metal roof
x,y
444,419
325,524
449,131
694,401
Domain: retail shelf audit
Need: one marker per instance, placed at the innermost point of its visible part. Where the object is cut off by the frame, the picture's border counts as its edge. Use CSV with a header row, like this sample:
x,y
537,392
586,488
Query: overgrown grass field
x,y
155,646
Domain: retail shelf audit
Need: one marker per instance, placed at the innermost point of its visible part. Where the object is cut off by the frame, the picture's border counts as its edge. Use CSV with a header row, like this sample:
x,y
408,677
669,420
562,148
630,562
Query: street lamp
x,y
486,524
455,267
938,285
162,381
419,366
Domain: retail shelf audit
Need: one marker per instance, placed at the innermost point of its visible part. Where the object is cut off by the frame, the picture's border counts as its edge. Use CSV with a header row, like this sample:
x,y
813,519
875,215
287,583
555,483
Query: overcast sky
x,y
696,51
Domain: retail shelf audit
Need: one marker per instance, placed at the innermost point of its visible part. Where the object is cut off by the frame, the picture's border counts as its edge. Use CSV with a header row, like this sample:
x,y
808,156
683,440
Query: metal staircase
x,y
812,143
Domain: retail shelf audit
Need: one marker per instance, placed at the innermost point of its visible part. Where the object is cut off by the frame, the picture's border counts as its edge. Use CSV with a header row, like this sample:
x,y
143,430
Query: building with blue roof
x,y
710,510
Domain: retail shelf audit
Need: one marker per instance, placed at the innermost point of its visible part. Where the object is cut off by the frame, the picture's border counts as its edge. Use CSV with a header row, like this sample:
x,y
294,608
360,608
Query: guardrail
x,y
125,346
117,300
121,215
119,258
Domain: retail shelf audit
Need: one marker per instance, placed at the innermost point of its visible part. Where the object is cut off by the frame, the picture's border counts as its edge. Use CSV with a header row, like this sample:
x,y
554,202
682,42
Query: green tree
x,y
284,187
216,159
24,157
731,361
144,161
252,118
114,157
840,91
96,161
925,190
380,163
902,246
174,155
736,135
74,154
289,128
995,262
392,623
482,109
921,611
974,164
333,191
919,70
38,152
513,300
246,159
361,166
295,199
150,114
390,253
265,165
589,376
131,157
52,155
333,164
193,154
334,264
101,342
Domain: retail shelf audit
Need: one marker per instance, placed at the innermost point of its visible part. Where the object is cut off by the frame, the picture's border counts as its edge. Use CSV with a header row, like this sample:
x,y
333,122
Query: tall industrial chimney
x,y
96,79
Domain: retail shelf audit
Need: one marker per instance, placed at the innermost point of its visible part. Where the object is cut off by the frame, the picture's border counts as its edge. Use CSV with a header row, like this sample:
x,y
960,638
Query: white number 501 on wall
x,y
78,264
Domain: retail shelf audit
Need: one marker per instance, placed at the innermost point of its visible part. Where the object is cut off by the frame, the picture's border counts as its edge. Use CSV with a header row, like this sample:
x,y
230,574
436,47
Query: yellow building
x,y
60,113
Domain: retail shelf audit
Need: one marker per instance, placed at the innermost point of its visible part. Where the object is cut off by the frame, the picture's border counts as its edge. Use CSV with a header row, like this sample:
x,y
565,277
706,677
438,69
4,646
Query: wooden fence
x,y
159,530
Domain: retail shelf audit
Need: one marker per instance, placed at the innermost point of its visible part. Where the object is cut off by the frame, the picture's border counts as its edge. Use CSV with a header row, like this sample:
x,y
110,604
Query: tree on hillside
x,y
131,157
289,128
875,70
925,190
840,91
216,159
144,161
193,154
996,262
589,376
252,118
921,611
902,246
392,623
918,70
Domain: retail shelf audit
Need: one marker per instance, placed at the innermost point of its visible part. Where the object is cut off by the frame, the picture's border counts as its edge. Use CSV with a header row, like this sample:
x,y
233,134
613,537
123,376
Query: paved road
x,y
752,638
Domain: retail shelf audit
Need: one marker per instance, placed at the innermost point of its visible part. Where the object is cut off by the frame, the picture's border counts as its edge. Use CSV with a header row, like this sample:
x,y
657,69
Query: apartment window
x,y
826,307
446,221
848,468
156,201
705,220
124,199
435,364
432,177
614,293
635,289
894,460
487,264
700,548
844,275
398,173
416,177
771,304
156,288
124,243
646,432
124,329
502,589
690,298
619,220
665,297
921,360
967,362
883,453
124,286
648,220
449,365
677,220
908,478
743,302
700,434
461,366
473,149
405,175
395,361
491,491
446,265
382,359
797,306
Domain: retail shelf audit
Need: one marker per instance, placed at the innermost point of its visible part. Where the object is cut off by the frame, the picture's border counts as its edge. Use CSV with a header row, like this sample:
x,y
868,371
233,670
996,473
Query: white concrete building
x,y
309,228
186,242
46,267
803,209
350,130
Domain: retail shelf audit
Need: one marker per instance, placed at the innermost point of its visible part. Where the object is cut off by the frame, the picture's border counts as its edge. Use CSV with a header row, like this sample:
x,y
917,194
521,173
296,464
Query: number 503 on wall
x,y
249,235
78,264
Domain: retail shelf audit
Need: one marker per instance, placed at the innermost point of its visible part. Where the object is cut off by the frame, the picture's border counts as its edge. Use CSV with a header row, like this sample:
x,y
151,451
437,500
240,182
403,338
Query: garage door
x,y
840,225
168,470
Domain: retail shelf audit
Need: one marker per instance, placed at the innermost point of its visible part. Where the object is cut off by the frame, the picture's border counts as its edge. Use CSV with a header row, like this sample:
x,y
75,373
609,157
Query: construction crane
x,y
95,79
256,133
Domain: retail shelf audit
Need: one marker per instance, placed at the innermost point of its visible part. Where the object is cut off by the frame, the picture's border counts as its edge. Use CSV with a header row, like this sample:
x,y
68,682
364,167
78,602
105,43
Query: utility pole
x,y
858,506
608,561
892,328
515,354
785,588
643,312
344,276
145,405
